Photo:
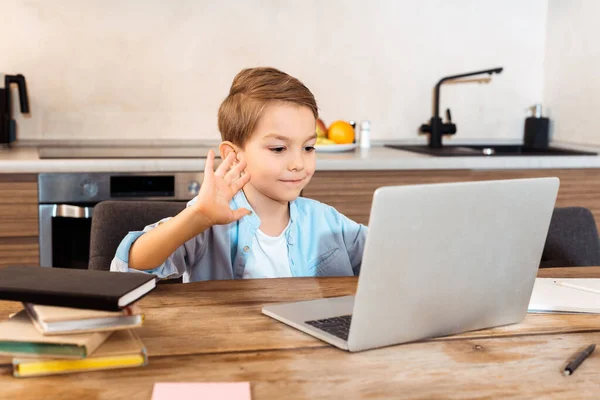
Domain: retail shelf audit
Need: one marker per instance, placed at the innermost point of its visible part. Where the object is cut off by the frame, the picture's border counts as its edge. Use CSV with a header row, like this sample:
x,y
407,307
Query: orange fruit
x,y
341,132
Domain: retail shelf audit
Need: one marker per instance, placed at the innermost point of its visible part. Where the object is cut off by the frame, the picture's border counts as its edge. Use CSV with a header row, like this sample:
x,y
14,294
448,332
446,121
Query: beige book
x,y
52,320
19,337
123,349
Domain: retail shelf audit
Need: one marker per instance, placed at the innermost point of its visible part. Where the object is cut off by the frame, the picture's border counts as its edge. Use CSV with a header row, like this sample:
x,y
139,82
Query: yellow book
x,y
123,349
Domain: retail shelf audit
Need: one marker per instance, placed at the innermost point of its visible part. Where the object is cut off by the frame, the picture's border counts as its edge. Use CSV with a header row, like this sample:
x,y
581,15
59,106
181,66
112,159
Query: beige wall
x,y
159,69
571,82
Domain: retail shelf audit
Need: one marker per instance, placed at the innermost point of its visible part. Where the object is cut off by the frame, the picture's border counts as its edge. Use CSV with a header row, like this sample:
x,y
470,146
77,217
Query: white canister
x,y
365,134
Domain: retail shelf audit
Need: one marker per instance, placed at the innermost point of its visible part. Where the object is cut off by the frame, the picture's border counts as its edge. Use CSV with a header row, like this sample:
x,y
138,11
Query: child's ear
x,y
226,148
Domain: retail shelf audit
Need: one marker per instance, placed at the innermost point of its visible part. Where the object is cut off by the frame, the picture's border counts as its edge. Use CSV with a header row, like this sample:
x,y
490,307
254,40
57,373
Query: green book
x,y
19,337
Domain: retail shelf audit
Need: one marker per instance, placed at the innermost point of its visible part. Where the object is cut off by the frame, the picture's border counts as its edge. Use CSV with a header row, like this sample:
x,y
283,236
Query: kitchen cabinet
x,y
19,219
350,192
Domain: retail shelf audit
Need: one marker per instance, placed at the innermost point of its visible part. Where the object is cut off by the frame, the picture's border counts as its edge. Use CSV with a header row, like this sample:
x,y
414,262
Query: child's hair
x,y
252,89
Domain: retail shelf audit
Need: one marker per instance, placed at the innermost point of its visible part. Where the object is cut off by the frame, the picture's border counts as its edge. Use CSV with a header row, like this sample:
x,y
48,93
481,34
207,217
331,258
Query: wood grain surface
x,y
213,331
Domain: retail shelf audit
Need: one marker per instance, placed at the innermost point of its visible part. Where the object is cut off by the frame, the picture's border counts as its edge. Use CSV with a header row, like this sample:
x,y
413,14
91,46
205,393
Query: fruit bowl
x,y
338,137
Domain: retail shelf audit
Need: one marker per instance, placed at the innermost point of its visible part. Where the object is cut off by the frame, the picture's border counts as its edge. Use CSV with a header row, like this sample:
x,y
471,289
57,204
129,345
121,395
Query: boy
x,y
247,220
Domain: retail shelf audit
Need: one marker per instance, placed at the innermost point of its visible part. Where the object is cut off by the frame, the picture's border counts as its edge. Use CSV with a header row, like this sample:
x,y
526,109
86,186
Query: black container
x,y
537,133
4,120
8,126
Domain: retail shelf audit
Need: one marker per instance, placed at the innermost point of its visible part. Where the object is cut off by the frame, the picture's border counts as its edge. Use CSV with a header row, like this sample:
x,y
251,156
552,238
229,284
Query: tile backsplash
x,y
155,69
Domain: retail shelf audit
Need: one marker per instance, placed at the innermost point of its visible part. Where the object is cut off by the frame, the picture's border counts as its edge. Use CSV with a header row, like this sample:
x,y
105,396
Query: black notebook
x,y
76,288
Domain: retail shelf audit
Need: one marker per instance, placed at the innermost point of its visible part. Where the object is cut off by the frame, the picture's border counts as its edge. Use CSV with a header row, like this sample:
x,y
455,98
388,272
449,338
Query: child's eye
x,y
309,149
277,149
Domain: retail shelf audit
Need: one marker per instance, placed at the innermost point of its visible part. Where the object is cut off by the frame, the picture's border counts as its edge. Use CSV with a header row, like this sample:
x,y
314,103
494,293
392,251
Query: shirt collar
x,y
240,201
293,211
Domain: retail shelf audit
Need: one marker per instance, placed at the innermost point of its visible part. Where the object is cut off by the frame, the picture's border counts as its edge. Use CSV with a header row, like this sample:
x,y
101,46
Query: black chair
x,y
112,220
572,239
572,236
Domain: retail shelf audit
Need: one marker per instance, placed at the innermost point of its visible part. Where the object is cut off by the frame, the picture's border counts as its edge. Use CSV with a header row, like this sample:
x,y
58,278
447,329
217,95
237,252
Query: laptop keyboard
x,y
336,326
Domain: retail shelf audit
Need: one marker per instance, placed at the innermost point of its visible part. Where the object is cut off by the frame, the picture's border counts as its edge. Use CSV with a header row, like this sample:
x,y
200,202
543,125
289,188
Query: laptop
x,y
439,259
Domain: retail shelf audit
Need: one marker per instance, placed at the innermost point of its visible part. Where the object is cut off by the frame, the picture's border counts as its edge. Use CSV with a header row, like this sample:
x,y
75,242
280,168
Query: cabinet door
x,y
19,219
350,192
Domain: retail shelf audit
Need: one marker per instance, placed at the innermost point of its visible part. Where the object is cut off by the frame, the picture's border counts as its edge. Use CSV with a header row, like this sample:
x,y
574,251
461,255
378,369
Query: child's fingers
x,y
240,213
234,173
237,185
209,164
225,165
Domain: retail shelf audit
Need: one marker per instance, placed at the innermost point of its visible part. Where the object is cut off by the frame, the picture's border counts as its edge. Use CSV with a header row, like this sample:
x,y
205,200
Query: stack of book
x,y
72,320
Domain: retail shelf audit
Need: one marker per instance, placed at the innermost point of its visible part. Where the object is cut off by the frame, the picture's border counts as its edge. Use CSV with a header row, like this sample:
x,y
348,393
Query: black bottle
x,y
537,130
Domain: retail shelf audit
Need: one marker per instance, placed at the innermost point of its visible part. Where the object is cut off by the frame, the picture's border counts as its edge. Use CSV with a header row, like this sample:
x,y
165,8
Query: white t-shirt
x,y
269,258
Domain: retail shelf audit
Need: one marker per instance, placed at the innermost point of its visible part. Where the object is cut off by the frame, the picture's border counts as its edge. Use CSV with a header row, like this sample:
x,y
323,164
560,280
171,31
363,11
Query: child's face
x,y
280,155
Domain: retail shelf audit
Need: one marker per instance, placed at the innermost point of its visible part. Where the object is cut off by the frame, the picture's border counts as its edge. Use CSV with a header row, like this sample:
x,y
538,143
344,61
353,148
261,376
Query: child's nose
x,y
296,163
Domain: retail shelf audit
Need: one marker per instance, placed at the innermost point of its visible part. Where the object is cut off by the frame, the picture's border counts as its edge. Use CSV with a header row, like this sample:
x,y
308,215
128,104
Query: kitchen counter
x,y
26,159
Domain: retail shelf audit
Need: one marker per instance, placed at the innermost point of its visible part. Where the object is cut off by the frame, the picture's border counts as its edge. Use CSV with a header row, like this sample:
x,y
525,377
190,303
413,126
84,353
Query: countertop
x,y
24,158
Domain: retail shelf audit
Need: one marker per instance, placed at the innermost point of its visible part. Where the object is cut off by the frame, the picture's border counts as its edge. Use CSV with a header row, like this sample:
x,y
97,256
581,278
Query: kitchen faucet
x,y
436,128
7,124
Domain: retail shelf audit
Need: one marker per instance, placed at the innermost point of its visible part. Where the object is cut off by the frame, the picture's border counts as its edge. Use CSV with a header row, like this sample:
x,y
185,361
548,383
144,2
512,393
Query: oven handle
x,y
71,211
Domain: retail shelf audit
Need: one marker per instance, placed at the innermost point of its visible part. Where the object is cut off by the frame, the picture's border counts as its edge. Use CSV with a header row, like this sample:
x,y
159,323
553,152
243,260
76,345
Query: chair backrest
x,y
572,239
572,236
112,220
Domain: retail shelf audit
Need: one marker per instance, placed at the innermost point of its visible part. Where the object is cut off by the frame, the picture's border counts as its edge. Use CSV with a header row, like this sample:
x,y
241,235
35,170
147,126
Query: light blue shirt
x,y
320,242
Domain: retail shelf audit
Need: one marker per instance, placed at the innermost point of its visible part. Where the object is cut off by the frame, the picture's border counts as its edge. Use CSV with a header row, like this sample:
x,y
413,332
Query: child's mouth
x,y
292,181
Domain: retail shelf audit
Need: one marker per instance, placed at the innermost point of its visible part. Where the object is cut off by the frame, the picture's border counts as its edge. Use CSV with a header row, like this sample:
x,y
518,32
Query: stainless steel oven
x,y
67,200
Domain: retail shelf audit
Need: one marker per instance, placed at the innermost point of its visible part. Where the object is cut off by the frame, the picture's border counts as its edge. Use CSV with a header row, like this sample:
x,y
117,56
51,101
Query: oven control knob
x,y
90,189
194,188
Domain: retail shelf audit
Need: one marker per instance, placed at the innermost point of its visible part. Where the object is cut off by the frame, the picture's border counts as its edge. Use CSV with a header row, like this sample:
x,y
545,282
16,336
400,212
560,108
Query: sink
x,y
489,150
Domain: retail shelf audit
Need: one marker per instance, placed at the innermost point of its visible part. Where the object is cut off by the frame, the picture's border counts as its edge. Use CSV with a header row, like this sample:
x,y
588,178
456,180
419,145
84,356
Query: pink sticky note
x,y
201,390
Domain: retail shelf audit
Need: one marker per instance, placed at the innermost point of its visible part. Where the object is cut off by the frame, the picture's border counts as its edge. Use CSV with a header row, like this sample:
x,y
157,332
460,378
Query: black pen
x,y
579,357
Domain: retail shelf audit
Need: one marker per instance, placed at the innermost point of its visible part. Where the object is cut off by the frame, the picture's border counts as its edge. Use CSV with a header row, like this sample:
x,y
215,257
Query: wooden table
x,y
214,331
